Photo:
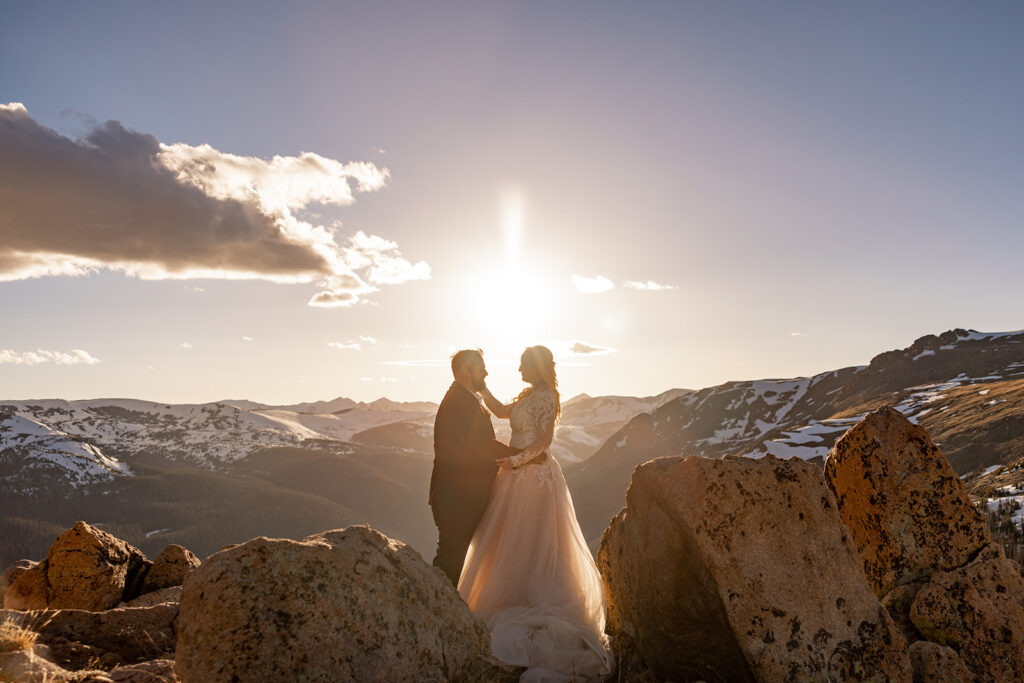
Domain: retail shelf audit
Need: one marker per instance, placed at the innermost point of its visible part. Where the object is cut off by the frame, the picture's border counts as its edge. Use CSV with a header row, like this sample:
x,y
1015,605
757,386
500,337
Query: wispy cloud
x,y
580,348
186,345
649,285
121,200
797,334
346,346
246,338
592,285
41,356
368,340
194,289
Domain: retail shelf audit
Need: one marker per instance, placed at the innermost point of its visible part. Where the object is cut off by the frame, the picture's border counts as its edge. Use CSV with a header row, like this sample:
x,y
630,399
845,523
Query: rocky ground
x,y
876,566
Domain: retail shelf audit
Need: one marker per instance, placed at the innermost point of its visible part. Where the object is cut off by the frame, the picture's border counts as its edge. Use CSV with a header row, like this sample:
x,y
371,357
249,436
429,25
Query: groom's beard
x,y
479,385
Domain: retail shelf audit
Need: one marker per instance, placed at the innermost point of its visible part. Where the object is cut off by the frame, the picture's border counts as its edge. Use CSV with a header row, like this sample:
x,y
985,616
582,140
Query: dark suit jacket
x,y
464,447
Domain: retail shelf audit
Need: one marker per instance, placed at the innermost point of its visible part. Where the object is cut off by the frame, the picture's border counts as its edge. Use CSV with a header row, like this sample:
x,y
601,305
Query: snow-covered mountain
x,y
34,456
965,387
209,435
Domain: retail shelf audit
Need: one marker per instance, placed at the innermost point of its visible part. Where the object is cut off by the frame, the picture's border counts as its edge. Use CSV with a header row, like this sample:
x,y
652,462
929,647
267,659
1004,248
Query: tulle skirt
x,y
530,577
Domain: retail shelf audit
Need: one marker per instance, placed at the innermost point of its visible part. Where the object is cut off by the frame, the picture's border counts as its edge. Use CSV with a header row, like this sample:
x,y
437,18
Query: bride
x,y
528,573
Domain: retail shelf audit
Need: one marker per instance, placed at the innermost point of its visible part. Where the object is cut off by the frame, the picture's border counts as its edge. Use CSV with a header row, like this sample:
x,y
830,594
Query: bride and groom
x,y
508,537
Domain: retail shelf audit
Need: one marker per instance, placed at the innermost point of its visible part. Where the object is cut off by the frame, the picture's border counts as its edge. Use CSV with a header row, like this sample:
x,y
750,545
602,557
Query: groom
x,y
464,469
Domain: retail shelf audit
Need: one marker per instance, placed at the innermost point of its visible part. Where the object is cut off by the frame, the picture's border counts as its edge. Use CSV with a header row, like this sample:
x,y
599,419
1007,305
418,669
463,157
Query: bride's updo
x,y
540,359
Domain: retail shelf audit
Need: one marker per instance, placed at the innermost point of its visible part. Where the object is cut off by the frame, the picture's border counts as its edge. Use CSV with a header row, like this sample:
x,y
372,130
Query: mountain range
x,y
206,475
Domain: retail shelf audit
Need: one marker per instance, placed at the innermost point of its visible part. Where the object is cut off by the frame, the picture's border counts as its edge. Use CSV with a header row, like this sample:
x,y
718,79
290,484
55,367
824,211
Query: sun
x,y
513,303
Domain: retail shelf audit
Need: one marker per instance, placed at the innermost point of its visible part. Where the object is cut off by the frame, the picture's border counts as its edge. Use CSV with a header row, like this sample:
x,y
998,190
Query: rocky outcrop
x,y
907,509
79,638
170,568
350,604
85,568
927,551
978,610
742,570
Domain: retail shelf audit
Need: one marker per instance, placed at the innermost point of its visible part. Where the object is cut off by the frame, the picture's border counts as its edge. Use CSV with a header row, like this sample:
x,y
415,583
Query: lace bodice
x,y
531,415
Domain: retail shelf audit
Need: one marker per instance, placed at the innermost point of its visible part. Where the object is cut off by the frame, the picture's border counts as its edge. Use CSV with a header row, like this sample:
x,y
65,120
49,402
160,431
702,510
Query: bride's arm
x,y
535,449
497,407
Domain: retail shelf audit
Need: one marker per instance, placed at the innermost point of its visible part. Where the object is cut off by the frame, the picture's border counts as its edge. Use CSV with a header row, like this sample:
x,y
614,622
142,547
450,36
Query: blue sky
x,y
816,183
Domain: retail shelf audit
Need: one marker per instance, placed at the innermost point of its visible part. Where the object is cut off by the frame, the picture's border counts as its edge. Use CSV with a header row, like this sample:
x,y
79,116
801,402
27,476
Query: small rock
x,y
25,666
934,663
170,568
155,671
897,601
158,597
978,610
13,571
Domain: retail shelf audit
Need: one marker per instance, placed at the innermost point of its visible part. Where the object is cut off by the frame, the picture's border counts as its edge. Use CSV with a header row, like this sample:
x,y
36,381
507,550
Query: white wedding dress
x,y
529,574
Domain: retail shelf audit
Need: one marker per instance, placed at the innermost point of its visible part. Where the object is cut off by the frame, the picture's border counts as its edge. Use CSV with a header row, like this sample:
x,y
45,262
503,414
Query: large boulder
x,y
125,635
908,511
977,610
349,604
85,568
742,570
170,568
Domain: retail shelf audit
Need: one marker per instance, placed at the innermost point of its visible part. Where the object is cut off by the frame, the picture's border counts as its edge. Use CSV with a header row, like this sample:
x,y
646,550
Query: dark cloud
x,y
121,200
104,199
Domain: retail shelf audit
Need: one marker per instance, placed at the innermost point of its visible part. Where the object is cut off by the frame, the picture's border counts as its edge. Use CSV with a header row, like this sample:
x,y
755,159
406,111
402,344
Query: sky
x,y
291,202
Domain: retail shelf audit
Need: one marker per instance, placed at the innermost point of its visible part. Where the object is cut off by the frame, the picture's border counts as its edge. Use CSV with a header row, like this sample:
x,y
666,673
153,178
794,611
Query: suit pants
x,y
456,517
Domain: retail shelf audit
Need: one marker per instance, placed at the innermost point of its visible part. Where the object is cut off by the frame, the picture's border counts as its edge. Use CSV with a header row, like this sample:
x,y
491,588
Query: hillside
x,y
965,387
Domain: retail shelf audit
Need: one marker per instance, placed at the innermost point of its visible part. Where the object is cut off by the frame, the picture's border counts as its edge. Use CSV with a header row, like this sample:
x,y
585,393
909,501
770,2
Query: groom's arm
x,y
453,433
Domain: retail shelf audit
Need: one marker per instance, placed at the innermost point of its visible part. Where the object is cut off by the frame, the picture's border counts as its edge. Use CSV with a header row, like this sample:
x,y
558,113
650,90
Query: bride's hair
x,y
540,359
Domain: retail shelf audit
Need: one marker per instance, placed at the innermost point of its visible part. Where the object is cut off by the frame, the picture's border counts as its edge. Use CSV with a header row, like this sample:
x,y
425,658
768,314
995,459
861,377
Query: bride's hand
x,y
505,463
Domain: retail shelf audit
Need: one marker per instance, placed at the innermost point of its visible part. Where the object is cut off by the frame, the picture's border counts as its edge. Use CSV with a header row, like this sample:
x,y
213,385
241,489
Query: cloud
x,y
350,346
247,338
329,299
383,260
121,200
186,345
592,285
41,356
368,340
582,348
650,285
194,290
797,334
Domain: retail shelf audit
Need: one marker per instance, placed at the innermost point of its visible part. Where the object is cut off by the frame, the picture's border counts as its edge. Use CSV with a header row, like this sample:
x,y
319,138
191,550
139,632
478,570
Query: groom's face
x,y
477,373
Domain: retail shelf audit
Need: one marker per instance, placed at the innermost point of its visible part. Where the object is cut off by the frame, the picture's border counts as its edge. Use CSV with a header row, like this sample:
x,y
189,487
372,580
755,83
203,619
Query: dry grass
x,y
15,637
